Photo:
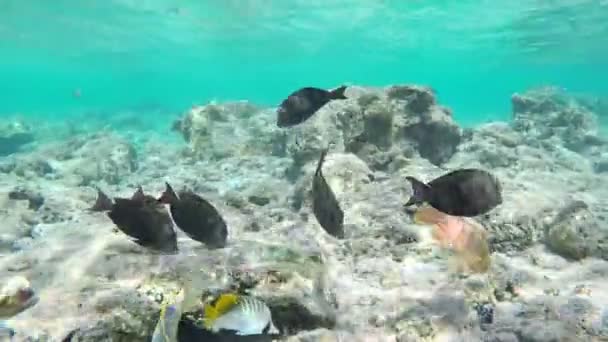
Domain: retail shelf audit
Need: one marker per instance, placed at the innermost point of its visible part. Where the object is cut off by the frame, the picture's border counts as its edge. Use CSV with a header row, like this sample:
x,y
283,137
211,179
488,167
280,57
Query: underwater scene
x,y
303,170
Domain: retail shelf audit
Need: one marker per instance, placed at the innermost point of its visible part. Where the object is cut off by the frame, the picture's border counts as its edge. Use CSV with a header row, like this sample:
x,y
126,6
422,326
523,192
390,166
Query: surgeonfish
x,y
325,206
244,315
463,192
142,218
300,105
196,217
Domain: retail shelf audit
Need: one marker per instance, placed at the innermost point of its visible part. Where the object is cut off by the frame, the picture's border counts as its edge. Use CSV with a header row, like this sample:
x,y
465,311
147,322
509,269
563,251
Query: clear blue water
x,y
167,55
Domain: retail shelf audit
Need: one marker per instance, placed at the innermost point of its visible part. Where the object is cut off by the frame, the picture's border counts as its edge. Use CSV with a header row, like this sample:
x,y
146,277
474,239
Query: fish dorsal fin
x,y
223,304
168,196
319,170
102,203
138,194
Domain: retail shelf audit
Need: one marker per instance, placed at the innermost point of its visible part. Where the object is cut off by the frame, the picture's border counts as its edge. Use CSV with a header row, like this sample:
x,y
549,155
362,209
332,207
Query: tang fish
x,y
188,330
304,103
16,296
465,237
196,217
143,219
464,192
325,206
243,315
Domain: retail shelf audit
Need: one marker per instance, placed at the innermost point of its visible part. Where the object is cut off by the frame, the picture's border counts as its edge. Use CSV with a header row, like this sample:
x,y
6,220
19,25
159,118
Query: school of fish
x,y
447,204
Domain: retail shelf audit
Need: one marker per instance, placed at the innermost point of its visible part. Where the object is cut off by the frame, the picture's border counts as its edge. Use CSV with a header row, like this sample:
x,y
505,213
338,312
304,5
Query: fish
x,y
325,206
300,105
243,315
463,192
16,296
189,331
464,236
168,321
196,217
146,221
186,300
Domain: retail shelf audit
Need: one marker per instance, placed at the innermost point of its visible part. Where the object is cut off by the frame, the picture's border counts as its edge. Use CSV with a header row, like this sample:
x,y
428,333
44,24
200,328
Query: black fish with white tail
x,y
325,206
464,192
196,217
304,103
143,219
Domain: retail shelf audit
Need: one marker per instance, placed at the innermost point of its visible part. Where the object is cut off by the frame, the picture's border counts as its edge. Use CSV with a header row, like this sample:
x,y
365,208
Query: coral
x,y
576,232
230,129
387,280
84,160
546,112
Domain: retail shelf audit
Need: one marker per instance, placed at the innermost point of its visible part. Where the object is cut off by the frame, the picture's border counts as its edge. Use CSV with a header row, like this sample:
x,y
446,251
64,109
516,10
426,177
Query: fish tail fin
x,y
102,203
420,191
168,196
221,306
338,93
321,161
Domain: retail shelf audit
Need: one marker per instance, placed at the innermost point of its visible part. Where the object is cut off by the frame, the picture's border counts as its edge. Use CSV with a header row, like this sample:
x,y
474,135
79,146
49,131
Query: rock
x,y
575,232
34,199
547,112
546,331
13,136
379,126
230,129
22,244
124,317
103,157
601,165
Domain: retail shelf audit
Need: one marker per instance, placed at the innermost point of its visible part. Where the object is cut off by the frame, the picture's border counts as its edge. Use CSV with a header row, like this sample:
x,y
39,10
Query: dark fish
x,y
464,192
188,331
70,335
103,202
303,103
196,217
146,221
325,206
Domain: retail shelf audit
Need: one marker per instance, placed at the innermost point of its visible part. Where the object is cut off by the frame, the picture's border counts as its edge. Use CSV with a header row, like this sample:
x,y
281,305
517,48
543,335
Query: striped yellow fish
x,y
244,315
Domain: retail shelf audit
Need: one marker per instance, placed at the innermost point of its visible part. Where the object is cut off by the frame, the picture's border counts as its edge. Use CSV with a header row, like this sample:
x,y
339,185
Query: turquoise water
x,y
167,55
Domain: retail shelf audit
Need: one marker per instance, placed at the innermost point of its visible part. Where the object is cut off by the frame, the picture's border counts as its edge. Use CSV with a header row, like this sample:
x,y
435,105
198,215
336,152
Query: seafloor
x,y
385,282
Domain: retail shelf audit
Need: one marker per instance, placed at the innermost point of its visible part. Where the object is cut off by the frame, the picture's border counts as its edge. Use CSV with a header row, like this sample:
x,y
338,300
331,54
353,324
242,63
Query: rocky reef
x,y
13,136
386,281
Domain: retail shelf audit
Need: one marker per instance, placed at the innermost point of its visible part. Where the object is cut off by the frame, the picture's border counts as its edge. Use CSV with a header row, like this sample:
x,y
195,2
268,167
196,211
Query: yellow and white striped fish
x,y
244,315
